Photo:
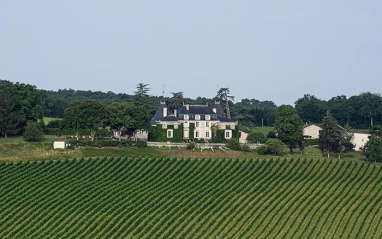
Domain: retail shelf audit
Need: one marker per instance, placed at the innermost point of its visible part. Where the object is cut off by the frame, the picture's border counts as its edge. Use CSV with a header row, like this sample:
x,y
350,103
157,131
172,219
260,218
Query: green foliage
x,y
19,103
256,137
373,148
217,135
33,132
271,135
288,126
246,148
54,123
377,131
310,109
272,146
89,114
234,144
141,144
334,138
191,146
311,142
101,143
157,134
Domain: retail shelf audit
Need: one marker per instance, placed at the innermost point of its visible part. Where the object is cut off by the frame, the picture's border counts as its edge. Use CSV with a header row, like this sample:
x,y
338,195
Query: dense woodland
x,y
21,103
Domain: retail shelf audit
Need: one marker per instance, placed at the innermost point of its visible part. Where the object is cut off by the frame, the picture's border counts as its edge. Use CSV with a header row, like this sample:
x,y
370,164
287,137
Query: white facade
x,y
360,139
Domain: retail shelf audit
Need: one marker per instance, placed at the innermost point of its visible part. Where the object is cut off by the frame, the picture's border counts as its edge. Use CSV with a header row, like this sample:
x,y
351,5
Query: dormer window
x,y
208,117
197,117
186,117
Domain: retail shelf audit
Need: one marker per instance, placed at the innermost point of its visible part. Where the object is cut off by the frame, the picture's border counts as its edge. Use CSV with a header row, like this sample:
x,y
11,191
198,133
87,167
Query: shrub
x,y
246,148
141,144
262,150
190,145
234,144
256,137
275,146
272,146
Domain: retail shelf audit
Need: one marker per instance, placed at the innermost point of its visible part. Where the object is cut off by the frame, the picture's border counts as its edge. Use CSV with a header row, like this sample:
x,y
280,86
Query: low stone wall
x,y
197,145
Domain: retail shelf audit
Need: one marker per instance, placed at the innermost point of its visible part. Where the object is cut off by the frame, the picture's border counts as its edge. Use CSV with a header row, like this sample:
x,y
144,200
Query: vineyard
x,y
190,198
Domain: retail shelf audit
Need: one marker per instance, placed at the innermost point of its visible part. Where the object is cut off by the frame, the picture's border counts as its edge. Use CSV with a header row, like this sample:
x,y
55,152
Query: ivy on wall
x,y
157,134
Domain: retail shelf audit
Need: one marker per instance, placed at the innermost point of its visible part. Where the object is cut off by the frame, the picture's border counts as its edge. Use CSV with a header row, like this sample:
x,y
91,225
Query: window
x,y
232,126
169,133
207,134
207,124
196,134
175,126
164,126
208,117
186,134
318,132
227,134
197,117
306,132
197,124
186,117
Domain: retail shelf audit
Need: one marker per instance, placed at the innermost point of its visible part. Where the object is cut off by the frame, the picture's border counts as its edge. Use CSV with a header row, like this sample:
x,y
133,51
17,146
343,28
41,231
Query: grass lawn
x,y
48,119
266,130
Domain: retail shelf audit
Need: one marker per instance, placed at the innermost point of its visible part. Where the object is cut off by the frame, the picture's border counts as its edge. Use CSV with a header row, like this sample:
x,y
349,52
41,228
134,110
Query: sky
x,y
266,50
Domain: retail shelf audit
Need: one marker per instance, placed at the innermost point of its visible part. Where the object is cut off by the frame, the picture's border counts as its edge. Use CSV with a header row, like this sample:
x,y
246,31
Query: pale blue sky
x,y
268,50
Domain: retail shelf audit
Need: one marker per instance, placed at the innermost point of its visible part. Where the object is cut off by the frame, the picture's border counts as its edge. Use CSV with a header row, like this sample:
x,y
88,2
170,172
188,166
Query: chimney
x,y
188,107
164,111
214,110
175,113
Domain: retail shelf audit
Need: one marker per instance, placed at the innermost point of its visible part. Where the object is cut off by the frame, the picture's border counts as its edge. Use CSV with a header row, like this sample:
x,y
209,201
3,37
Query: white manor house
x,y
192,122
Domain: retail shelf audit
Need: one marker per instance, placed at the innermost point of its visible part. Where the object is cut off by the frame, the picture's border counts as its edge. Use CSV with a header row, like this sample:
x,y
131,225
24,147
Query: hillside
x,y
190,198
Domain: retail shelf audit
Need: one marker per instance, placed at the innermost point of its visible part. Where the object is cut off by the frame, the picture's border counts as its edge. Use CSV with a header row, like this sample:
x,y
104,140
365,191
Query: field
x,y
190,198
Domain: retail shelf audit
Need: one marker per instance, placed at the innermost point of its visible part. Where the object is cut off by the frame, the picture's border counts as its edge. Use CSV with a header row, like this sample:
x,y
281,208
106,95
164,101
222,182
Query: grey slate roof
x,y
219,110
169,118
192,111
159,113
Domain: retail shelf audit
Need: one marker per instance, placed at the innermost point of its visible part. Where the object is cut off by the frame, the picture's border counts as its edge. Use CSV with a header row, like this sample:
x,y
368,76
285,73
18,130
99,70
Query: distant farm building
x,y
311,131
360,138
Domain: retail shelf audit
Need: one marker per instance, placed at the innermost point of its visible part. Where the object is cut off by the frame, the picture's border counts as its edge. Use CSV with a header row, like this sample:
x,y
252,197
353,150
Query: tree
x,y
288,126
141,111
9,123
119,118
73,118
33,131
310,109
18,104
377,130
373,148
225,99
176,101
94,116
141,94
341,109
88,114
371,106
334,138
